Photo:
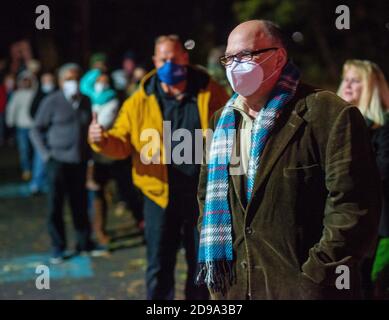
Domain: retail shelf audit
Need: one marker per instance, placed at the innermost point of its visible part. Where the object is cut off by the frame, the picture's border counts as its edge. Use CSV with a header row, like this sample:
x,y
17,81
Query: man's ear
x,y
154,61
282,57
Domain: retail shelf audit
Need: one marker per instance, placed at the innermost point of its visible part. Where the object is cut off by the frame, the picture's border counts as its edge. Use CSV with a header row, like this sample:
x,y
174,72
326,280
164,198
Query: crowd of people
x,y
43,142
311,194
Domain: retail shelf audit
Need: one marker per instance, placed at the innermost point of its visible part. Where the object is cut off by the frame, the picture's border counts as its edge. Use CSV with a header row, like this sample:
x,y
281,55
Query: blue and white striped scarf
x,y
215,251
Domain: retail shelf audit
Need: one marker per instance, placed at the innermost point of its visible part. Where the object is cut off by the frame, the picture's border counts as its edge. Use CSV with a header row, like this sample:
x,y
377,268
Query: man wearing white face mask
x,y
296,194
60,135
38,180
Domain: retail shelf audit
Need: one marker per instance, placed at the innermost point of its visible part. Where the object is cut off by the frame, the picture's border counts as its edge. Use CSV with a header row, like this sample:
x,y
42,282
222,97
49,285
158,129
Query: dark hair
x,y
275,32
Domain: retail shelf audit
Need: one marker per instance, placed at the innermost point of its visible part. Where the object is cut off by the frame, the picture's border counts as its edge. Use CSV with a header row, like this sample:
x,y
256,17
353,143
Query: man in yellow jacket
x,y
182,98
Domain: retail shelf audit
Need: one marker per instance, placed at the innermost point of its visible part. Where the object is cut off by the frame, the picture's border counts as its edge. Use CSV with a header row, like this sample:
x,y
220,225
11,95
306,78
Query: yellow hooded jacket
x,y
141,115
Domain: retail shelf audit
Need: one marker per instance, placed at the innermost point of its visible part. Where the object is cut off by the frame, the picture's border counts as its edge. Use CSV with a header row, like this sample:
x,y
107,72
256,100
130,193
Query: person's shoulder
x,y
318,97
48,104
52,98
54,95
18,94
322,103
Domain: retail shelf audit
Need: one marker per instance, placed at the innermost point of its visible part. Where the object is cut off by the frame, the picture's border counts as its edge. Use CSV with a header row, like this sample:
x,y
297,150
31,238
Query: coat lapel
x,y
237,179
276,144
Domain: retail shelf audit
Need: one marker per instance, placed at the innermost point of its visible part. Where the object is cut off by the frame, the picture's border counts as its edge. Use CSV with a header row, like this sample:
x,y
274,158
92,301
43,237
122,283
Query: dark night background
x,y
79,28
113,26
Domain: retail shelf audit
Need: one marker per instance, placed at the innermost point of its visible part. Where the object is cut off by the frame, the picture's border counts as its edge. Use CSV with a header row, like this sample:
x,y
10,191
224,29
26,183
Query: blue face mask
x,y
171,73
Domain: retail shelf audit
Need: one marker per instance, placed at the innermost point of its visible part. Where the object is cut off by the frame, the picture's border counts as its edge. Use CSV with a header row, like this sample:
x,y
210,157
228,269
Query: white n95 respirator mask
x,y
246,77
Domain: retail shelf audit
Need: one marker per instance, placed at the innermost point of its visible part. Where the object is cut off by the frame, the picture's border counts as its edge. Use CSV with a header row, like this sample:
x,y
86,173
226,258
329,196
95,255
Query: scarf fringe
x,y
218,276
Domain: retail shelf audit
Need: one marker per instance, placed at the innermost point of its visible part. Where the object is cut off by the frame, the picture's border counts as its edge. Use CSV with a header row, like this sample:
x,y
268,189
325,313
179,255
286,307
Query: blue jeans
x,y
166,230
24,148
39,179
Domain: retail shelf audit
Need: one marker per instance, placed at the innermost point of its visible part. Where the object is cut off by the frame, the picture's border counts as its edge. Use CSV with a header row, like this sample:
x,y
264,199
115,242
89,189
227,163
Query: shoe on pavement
x,y
99,251
57,258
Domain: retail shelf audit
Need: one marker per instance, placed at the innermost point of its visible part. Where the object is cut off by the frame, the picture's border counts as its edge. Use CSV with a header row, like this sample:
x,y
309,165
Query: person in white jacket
x,y
18,116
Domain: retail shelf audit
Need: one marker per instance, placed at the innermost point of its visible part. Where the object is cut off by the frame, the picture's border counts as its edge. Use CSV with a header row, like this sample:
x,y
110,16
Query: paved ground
x,y
24,244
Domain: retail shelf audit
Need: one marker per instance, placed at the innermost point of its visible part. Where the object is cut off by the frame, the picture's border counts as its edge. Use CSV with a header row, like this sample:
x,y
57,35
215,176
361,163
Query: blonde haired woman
x,y
364,85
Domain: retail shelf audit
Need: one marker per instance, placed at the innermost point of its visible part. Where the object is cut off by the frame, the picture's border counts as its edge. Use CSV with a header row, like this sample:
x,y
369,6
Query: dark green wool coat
x,y
315,205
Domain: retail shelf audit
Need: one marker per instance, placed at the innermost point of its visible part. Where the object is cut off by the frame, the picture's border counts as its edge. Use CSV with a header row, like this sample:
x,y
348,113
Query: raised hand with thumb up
x,y
95,133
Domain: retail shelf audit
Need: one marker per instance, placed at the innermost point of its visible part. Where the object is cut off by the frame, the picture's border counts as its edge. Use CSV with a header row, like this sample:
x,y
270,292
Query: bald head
x,y
262,43
253,35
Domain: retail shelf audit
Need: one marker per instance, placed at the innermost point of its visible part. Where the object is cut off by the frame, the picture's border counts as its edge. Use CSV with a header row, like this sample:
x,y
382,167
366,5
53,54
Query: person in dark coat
x,y
297,202
364,85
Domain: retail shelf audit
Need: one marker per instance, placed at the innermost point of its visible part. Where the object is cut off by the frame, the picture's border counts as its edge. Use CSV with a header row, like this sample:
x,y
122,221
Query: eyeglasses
x,y
243,56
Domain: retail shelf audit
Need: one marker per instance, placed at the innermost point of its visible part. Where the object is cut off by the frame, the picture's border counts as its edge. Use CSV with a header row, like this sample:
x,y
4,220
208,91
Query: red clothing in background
x,y
3,98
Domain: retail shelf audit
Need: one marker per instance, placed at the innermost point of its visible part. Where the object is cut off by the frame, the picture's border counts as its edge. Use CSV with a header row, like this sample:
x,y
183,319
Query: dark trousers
x,y
127,192
166,230
67,180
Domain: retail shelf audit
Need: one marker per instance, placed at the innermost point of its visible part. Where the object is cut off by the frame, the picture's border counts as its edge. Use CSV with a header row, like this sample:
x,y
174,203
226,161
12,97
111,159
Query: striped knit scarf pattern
x,y
216,248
